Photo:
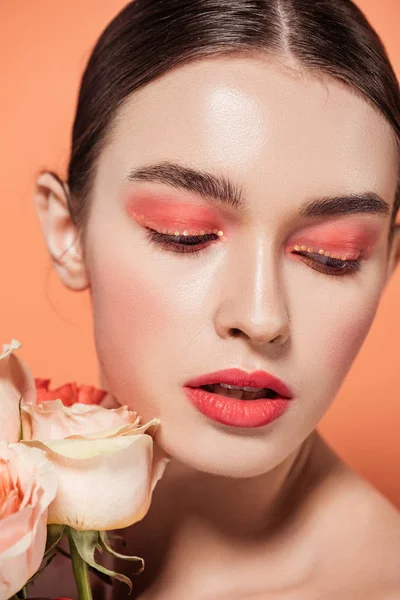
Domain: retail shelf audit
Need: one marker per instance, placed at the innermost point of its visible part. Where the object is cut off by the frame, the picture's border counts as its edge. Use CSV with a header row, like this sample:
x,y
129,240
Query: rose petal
x,y
103,484
69,393
51,420
16,380
23,533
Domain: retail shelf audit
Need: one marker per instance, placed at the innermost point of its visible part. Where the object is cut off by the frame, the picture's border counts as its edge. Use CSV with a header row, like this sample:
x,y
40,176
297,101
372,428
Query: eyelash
x,y
336,266
179,243
182,244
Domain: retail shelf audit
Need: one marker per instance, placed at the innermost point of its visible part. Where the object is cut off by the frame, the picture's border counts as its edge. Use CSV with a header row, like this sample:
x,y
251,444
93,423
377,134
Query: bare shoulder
x,y
373,539
360,535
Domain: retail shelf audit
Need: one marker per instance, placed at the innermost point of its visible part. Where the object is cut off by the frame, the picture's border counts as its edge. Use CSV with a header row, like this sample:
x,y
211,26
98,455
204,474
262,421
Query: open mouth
x,y
240,393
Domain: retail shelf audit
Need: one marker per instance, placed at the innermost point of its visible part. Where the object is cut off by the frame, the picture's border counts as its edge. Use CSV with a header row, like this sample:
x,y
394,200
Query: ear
x,y
61,234
394,255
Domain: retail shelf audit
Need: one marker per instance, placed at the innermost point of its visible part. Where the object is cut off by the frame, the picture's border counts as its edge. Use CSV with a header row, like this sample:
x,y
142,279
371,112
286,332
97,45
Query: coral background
x,y
44,46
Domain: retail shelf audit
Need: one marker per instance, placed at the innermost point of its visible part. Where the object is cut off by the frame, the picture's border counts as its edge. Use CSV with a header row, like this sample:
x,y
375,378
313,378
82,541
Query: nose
x,y
251,300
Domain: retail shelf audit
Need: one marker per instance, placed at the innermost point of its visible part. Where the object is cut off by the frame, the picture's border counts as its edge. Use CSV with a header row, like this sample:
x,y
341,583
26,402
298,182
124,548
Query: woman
x,y
230,202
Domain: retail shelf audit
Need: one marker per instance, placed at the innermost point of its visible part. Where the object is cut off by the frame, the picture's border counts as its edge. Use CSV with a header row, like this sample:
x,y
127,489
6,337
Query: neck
x,y
236,508
197,521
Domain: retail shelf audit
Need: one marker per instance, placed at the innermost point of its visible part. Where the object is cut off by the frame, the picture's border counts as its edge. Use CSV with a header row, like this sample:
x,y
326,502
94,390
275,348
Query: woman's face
x,y
163,317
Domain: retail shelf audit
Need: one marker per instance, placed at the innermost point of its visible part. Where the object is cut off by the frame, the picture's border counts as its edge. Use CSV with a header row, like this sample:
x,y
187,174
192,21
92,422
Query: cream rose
x,y
16,380
105,476
27,485
51,420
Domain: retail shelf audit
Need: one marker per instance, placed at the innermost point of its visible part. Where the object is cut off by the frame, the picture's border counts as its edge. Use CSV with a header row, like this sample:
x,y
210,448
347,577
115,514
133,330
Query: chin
x,y
222,453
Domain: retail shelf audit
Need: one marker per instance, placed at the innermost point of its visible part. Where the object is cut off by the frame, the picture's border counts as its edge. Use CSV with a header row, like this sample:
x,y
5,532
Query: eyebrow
x,y
218,189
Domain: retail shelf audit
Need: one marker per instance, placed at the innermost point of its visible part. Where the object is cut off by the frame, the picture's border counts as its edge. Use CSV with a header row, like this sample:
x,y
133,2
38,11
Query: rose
x,y
16,380
51,420
105,476
105,480
69,393
27,485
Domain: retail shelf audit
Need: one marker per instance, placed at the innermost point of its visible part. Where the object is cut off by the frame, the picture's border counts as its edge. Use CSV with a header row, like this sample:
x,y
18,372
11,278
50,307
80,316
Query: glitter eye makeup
x,y
309,250
176,226
163,213
337,239
329,263
173,231
188,240
182,244
343,246
189,229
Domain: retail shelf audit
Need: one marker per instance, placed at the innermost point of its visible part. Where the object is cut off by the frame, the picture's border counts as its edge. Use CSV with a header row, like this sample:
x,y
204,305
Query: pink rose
x,y
16,380
69,393
27,485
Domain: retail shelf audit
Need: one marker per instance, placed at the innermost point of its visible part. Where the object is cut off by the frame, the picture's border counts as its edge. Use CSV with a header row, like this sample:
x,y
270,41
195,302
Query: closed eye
x,y
330,265
180,243
193,244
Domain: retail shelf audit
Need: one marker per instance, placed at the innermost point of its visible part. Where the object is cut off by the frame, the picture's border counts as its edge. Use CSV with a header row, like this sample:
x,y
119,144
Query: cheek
x,y
327,335
337,333
125,304
344,340
130,318
352,328
144,319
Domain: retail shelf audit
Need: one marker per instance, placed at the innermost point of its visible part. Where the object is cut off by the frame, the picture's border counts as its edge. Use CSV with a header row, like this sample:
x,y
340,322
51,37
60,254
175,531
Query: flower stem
x,y
81,571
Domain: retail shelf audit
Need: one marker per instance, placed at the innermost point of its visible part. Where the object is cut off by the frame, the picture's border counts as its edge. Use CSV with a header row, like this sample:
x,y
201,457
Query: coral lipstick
x,y
236,412
258,379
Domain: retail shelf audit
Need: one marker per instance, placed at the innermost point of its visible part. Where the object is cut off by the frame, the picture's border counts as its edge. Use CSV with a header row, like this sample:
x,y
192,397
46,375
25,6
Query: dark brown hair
x,y
150,37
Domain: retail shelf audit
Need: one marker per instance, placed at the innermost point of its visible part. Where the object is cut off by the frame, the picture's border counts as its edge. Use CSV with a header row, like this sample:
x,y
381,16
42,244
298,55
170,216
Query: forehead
x,y
277,132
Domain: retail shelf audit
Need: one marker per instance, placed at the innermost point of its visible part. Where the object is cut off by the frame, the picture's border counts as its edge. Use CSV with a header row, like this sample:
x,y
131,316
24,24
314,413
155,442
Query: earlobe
x,y
60,232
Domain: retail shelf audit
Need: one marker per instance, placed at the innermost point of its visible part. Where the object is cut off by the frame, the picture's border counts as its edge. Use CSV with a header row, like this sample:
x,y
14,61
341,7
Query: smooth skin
x,y
270,512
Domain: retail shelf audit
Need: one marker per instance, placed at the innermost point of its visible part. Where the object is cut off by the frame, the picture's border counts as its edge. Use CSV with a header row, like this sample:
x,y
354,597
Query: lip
x,y
235,412
257,379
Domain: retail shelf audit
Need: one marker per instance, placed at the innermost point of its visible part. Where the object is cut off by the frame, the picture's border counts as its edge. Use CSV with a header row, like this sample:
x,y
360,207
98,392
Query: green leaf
x,y
20,420
47,561
54,535
104,541
87,542
101,576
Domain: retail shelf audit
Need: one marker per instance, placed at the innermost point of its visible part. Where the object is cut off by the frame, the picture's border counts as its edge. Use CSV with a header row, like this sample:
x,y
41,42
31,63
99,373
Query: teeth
x,y
245,388
240,393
